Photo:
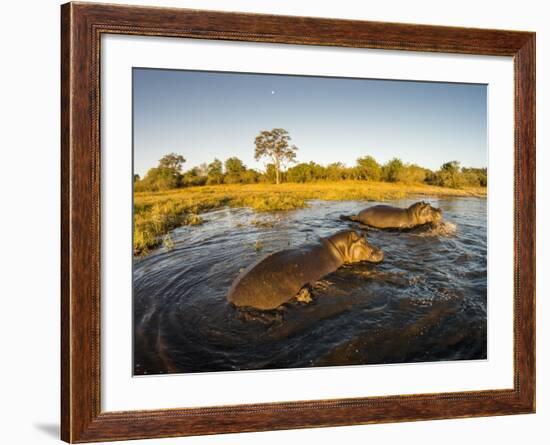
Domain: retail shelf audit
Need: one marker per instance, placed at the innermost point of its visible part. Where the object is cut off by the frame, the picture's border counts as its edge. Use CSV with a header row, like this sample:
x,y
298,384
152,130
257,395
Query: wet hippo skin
x,y
389,217
276,278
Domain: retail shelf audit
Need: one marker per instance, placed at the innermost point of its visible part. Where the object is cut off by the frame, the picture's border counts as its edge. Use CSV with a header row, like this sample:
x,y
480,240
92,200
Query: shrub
x,y
157,179
391,170
368,169
411,173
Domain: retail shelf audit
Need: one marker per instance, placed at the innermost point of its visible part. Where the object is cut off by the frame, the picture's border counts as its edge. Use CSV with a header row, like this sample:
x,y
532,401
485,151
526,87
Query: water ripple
x,y
427,301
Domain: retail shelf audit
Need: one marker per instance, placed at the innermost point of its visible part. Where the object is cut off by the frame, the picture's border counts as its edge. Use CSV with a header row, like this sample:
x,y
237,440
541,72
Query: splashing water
x,y
442,228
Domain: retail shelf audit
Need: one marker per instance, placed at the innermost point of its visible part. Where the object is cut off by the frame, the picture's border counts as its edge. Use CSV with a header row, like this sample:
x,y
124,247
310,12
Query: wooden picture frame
x,y
82,25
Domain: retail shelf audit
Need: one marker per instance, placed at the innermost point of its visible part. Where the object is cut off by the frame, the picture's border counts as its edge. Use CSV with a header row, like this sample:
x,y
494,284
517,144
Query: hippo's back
x,y
384,217
278,277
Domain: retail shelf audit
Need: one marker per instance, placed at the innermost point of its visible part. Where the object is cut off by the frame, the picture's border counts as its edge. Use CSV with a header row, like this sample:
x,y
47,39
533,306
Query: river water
x,y
426,302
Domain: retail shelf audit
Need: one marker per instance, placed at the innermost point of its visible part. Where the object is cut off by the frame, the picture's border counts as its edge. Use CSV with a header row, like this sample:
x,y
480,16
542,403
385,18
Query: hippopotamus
x,y
388,217
278,277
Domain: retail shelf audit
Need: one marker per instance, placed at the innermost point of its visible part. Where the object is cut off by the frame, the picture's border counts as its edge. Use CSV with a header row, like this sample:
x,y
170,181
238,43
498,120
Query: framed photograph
x,y
274,222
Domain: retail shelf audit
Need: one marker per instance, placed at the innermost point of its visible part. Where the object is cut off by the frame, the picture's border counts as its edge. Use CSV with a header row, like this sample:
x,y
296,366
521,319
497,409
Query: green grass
x,y
156,213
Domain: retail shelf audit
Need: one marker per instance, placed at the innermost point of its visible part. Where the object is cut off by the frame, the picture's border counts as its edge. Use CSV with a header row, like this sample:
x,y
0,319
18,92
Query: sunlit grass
x,y
156,213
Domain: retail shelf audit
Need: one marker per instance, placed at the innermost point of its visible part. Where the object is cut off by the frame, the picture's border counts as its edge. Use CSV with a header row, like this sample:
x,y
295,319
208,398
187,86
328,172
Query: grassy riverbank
x,y
156,213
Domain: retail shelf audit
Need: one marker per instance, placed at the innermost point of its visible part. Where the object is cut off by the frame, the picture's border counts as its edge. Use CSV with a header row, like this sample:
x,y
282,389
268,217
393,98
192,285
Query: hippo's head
x,y
424,213
354,248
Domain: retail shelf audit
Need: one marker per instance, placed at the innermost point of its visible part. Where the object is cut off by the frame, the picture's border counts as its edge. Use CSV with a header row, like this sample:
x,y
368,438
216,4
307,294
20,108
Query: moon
x,y
272,92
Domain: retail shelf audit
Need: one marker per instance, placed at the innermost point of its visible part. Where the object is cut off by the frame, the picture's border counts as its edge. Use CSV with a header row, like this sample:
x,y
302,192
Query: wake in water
x,y
442,228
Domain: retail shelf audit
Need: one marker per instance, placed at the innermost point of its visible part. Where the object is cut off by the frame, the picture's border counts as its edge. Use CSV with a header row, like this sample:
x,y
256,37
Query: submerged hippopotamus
x,y
388,217
278,277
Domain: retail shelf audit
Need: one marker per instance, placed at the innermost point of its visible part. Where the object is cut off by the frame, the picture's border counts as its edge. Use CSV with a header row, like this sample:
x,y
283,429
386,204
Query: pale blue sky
x,y
207,115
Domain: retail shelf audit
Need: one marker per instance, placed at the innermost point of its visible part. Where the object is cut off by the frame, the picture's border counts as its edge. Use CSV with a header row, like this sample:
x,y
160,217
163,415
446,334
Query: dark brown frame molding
x,y
82,25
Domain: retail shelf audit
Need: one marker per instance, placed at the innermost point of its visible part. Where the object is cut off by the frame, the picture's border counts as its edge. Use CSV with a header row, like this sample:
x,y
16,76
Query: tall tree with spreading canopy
x,y
172,161
274,145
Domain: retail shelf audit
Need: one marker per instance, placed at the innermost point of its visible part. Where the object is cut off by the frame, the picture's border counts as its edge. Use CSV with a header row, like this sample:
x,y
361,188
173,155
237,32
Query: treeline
x,y
451,174
169,173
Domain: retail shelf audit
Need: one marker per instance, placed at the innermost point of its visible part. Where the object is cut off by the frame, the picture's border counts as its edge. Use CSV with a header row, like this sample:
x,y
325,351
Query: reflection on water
x,y
427,301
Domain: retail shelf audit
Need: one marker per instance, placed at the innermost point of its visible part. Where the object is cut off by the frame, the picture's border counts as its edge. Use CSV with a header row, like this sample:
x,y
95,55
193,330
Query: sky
x,y
206,115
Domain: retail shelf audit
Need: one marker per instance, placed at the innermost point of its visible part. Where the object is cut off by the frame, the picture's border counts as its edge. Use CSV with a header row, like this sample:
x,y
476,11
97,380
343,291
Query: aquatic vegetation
x,y
168,242
156,213
193,220
263,223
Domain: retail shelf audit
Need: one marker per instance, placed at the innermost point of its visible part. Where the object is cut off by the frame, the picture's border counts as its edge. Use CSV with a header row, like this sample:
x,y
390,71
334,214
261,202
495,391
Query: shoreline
x,y
157,213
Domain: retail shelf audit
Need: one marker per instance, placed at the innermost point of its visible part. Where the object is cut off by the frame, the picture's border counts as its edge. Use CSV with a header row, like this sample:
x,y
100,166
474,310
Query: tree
x,y
214,172
368,168
475,176
234,169
136,177
301,172
411,173
202,169
269,175
274,145
431,178
172,161
450,175
167,175
250,176
336,171
194,176
159,178
451,167
391,170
